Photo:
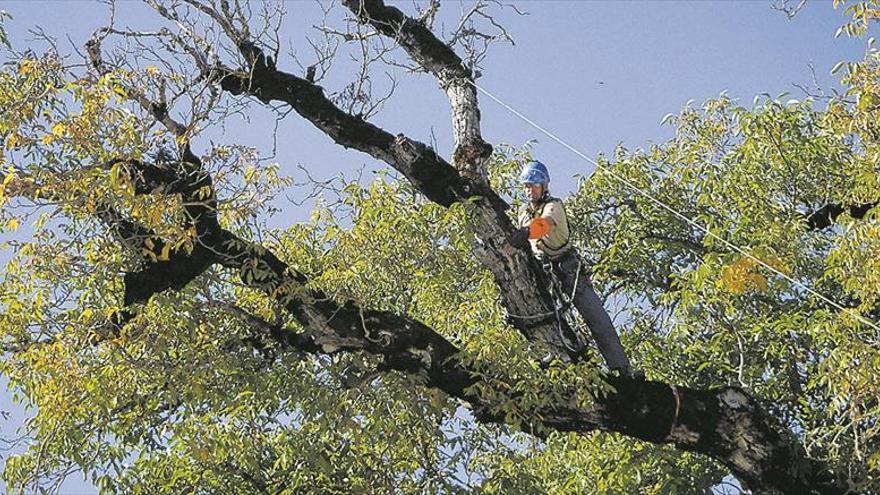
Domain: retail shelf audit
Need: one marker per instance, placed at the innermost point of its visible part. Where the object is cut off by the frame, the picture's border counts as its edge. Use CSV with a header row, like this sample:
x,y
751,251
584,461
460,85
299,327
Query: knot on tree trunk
x,y
406,150
469,158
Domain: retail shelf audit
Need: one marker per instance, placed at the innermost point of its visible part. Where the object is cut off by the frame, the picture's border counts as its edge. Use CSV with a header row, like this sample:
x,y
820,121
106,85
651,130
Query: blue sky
x,y
597,73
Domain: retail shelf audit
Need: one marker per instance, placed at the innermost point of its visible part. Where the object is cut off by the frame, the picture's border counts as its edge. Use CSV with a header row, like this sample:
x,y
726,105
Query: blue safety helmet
x,y
534,173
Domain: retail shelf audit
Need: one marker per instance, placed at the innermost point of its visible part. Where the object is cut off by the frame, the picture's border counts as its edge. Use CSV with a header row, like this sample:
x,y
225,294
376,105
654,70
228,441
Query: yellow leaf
x,y
27,66
201,454
58,129
114,175
13,141
204,192
742,276
12,224
166,252
777,264
249,172
152,70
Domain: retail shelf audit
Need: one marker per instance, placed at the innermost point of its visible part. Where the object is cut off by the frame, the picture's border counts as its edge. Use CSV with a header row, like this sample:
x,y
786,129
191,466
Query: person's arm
x,y
536,229
540,226
551,217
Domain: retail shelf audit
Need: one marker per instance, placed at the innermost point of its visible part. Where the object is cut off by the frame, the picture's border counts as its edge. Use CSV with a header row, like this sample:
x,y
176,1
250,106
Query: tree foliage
x,y
189,390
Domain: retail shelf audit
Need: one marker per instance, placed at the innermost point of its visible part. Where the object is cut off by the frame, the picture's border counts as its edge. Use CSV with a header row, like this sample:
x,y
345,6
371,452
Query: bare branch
x,y
788,7
426,17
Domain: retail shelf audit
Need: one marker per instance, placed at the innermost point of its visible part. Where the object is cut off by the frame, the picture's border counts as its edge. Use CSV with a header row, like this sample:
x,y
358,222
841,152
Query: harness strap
x,y
561,305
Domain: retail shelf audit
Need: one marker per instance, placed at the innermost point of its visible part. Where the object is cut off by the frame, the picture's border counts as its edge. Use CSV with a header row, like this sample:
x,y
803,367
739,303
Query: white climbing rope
x,y
675,212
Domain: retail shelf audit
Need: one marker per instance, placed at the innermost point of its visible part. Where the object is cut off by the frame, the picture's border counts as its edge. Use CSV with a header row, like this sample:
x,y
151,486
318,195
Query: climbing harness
x,y
563,302
675,212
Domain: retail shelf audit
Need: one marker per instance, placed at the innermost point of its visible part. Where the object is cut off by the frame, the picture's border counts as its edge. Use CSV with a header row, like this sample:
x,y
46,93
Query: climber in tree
x,y
544,226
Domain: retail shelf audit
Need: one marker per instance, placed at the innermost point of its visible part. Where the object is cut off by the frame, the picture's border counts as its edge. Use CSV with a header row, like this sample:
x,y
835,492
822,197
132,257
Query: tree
x,y
170,342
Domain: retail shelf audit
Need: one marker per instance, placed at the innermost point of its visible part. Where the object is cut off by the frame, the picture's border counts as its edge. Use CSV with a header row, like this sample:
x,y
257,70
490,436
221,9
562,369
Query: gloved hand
x,y
520,238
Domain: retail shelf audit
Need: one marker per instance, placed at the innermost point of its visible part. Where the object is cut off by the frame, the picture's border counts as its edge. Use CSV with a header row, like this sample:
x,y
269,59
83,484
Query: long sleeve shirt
x,y
556,242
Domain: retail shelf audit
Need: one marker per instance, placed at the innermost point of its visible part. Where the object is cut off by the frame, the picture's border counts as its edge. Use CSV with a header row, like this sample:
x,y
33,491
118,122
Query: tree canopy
x,y
169,341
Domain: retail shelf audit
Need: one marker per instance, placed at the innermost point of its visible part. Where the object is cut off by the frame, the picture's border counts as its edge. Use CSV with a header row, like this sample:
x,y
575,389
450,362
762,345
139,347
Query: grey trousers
x,y
589,305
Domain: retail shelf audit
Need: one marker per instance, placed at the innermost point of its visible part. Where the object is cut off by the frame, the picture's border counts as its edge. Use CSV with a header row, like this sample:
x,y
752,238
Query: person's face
x,y
533,191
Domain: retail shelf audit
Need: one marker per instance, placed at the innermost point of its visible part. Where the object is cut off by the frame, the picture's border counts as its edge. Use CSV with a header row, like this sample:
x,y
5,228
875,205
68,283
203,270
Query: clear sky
x,y
597,73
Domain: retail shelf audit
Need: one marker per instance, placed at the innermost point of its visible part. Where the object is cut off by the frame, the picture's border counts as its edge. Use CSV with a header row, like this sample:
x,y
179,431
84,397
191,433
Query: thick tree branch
x,y
188,179
435,178
185,176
